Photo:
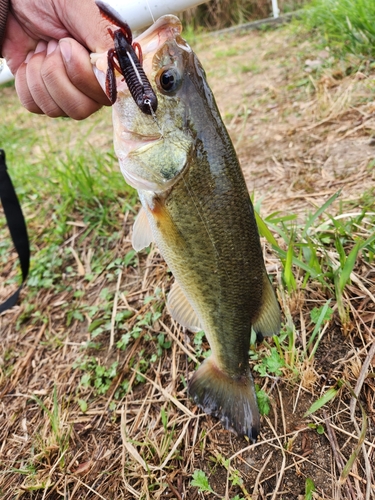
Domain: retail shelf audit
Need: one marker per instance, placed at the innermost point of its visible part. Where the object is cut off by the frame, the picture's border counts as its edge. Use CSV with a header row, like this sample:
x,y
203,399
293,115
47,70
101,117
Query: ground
x,y
302,122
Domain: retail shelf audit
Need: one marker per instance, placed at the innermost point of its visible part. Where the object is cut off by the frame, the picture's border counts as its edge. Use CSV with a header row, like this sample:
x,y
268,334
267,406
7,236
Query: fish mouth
x,y
165,28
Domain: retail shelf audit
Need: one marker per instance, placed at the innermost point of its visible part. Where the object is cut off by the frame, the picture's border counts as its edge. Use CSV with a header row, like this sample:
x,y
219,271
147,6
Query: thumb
x,y
85,23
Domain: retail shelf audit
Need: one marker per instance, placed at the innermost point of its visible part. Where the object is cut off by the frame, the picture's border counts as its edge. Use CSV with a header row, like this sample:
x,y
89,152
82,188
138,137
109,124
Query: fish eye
x,y
169,80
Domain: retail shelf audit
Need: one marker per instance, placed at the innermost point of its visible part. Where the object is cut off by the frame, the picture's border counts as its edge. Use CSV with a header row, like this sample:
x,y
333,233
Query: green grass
x,y
323,251
324,248
347,24
62,186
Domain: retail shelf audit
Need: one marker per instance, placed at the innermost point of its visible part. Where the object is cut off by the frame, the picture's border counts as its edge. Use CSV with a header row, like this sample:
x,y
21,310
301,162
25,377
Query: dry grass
x,y
301,136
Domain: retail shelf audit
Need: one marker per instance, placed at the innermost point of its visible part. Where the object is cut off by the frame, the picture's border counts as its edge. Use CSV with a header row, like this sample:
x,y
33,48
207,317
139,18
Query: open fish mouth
x,y
165,28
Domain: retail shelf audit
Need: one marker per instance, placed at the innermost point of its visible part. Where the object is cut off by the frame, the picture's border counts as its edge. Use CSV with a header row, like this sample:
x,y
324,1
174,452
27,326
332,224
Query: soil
x,y
302,123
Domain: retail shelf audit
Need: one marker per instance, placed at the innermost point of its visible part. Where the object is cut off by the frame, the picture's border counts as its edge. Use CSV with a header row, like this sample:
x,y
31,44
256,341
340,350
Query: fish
x,y
197,209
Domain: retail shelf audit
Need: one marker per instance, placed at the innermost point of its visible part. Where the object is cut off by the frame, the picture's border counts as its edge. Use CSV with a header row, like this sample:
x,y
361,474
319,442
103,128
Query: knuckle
x,y
82,111
25,96
31,106
50,71
45,102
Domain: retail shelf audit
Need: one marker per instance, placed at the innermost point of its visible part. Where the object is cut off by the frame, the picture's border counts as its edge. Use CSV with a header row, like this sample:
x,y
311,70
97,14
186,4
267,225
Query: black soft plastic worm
x,y
123,58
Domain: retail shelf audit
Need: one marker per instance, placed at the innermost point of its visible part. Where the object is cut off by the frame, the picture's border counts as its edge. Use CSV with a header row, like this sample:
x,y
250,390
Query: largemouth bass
x,y
197,209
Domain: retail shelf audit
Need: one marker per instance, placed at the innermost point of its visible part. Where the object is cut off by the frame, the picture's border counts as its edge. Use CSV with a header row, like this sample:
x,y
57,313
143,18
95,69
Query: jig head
x,y
126,58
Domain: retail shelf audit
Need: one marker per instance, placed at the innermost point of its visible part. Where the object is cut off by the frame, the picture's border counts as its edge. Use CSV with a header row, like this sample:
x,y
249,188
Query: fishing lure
x,y
126,58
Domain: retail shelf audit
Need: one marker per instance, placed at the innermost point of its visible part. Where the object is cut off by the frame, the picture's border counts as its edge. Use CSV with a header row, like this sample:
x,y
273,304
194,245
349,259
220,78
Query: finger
x,y
80,70
29,84
85,24
23,90
70,80
35,82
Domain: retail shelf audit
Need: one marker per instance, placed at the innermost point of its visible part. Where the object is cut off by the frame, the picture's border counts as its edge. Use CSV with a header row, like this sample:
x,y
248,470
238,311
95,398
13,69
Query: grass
x,y
92,369
347,24
311,250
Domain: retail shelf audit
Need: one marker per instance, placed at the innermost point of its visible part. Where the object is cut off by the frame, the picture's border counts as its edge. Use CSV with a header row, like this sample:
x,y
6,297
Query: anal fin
x,y
268,322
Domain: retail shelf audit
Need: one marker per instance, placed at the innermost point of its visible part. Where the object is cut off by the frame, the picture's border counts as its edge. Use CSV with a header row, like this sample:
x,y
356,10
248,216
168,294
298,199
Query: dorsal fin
x,y
180,309
142,233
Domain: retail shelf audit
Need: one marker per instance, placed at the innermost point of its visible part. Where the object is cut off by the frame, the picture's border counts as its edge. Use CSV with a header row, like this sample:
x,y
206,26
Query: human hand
x,y
46,47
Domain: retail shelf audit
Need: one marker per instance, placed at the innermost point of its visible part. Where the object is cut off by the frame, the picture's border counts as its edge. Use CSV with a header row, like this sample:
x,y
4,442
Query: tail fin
x,y
232,400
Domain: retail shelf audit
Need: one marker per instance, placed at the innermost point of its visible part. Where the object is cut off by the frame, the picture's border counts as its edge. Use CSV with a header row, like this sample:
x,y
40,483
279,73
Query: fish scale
x,y
216,264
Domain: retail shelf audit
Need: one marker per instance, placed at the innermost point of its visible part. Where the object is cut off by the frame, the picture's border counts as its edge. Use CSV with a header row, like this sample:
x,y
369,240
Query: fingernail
x,y
29,56
41,47
66,50
52,44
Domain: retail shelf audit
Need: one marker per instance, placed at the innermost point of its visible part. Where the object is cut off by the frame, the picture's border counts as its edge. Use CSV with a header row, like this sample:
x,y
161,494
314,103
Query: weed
x,y
83,405
250,68
318,427
263,401
97,376
168,436
222,13
309,489
100,377
309,249
270,364
323,400
200,480
234,477
222,54
199,337
319,315
58,440
46,269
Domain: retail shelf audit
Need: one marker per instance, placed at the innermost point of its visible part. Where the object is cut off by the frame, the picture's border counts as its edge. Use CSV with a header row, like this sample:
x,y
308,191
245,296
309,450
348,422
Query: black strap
x,y
17,227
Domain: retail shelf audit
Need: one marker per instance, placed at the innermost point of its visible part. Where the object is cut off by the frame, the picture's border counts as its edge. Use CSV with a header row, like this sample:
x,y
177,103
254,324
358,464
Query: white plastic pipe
x,y
275,8
137,13
141,13
5,74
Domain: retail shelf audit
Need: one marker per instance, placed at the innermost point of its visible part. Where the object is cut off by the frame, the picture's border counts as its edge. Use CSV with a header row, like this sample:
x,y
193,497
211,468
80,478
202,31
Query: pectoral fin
x,y
180,309
142,233
268,322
